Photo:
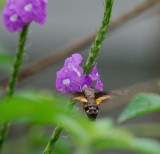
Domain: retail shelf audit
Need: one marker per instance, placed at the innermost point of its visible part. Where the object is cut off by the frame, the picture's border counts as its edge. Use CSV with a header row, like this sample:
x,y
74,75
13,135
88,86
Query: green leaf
x,y
35,105
141,104
146,146
45,108
2,3
113,138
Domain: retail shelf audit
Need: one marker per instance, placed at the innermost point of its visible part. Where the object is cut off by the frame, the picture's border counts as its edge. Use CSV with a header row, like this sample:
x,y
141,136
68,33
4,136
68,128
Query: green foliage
x,y
25,102
141,104
2,3
44,108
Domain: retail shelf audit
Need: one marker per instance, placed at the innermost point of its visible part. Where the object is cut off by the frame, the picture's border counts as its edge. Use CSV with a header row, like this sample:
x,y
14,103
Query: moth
x,y
91,100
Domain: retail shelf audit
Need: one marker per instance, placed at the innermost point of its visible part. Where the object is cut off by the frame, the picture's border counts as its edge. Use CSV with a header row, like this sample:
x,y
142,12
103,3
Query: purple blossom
x,y
96,77
66,81
70,78
73,63
85,81
32,10
11,19
18,13
99,84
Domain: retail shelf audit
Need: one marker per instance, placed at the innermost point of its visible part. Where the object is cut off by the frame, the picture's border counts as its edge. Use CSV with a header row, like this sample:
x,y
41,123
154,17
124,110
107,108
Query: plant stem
x,y
13,79
50,146
90,62
18,61
99,38
55,136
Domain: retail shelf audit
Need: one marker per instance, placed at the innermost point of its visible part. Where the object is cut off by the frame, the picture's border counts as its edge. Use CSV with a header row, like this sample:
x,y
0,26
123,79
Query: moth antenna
x,y
79,84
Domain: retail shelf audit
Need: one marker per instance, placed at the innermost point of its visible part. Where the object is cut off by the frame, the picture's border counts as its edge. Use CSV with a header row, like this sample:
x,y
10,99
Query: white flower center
x,y
28,7
97,74
13,17
66,81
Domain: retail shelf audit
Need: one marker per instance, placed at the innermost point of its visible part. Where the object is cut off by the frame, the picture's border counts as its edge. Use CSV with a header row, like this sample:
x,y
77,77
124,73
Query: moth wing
x,y
102,98
80,96
81,99
105,95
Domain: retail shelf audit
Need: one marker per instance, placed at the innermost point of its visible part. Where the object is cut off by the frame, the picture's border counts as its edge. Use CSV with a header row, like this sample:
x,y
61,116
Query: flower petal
x,y
75,60
33,10
99,85
11,19
96,77
85,81
73,63
18,13
66,81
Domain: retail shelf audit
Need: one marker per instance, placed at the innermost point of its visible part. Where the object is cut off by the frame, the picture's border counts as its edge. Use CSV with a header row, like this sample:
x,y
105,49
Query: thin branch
x,y
77,45
13,78
93,54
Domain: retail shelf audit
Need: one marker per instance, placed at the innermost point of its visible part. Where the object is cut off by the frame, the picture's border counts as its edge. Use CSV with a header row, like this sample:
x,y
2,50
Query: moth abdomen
x,y
91,111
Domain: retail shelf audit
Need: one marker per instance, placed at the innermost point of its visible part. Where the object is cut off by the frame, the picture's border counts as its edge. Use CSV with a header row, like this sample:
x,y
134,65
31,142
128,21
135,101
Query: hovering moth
x,y
91,100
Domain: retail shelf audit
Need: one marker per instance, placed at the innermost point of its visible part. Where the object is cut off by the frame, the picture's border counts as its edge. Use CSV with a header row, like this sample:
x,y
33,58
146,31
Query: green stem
x,y
18,61
13,79
90,62
99,38
3,134
50,146
55,136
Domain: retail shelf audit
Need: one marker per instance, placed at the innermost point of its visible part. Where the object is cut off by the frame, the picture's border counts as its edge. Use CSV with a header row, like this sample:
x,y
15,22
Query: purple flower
x,y
11,19
32,10
99,84
73,63
70,78
96,77
18,13
85,81
66,81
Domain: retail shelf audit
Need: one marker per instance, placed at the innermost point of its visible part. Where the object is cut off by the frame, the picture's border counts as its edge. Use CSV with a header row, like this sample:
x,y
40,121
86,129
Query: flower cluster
x,y
70,78
18,13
